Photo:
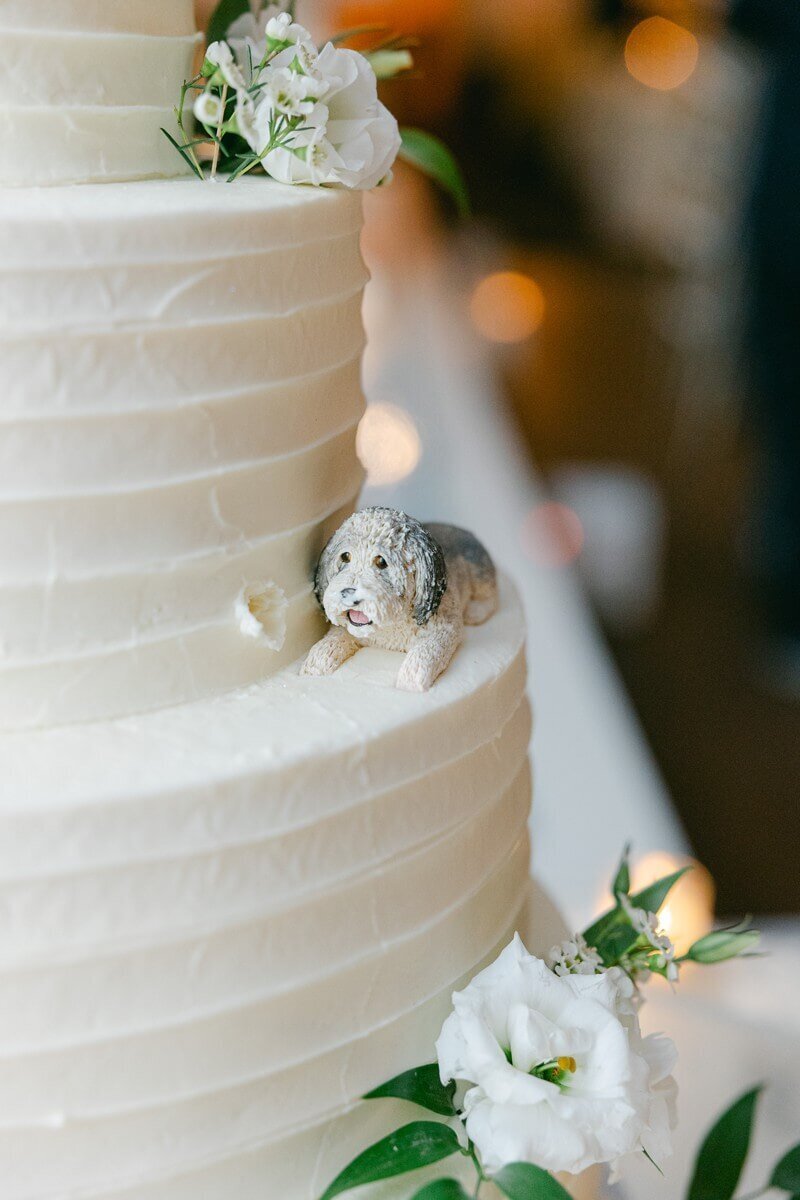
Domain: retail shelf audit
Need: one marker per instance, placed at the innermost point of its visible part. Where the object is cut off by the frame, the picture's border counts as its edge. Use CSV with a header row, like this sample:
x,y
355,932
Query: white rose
x,y
349,138
561,1074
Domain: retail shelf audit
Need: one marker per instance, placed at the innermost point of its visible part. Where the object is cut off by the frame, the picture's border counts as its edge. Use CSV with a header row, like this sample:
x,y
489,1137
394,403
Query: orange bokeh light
x,y
552,535
689,910
507,307
405,16
661,54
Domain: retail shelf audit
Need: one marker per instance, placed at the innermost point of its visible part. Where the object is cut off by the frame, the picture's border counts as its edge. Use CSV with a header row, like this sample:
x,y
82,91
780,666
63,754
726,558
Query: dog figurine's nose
x,y
348,592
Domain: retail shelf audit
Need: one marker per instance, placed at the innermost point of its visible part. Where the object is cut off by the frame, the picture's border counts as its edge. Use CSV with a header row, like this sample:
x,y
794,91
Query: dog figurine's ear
x,y
430,571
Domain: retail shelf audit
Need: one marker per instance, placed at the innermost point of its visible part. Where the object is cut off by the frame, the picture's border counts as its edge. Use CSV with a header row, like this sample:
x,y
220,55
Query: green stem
x,y
220,123
278,138
479,1169
188,86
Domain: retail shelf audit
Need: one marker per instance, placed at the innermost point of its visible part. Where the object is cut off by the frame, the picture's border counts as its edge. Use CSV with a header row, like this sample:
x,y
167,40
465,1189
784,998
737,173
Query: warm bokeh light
x,y
689,910
552,535
407,16
660,53
507,306
388,444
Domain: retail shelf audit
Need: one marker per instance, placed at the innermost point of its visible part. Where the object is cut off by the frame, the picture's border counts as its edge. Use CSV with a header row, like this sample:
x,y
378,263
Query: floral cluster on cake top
x,y
268,99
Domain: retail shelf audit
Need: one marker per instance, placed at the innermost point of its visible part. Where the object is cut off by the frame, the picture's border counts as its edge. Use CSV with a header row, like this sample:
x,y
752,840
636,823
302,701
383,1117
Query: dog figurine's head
x,y
380,568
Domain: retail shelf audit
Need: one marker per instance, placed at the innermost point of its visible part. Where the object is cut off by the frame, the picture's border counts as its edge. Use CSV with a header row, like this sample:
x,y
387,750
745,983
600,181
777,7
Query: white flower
x,y
208,109
349,138
561,1075
646,924
246,117
293,93
220,56
574,957
281,28
253,35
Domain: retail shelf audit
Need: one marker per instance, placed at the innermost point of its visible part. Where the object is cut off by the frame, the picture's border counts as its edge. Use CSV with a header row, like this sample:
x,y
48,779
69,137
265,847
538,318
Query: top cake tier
x,y
87,86
179,396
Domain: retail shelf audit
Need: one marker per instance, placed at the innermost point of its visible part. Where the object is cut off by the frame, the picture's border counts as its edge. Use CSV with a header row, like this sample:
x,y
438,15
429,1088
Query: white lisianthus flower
x,y
349,138
561,1075
208,109
220,56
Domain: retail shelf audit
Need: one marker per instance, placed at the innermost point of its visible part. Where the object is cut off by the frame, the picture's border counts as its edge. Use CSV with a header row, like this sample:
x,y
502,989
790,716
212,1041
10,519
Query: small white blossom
x,y
254,36
208,109
647,926
561,1075
220,56
575,957
293,93
282,29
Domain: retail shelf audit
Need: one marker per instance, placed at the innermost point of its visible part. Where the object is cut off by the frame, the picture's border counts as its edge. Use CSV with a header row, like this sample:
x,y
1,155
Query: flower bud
x,y
388,63
723,944
208,109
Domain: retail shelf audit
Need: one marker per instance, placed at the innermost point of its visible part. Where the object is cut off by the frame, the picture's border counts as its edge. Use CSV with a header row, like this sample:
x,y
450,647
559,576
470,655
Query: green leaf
x,y
187,158
523,1181
422,1086
612,934
223,16
723,1153
416,1145
651,1160
442,1189
786,1174
651,898
622,879
433,158
355,31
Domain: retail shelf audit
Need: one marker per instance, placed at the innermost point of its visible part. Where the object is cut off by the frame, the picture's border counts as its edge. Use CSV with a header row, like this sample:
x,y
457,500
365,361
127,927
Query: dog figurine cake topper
x,y
385,579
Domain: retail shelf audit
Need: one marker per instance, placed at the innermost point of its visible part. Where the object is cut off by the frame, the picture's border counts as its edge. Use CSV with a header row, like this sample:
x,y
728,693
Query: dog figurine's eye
x,y
344,558
380,562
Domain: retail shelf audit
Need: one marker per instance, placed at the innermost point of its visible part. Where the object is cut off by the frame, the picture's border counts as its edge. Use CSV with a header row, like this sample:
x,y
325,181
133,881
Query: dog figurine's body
x,y
384,579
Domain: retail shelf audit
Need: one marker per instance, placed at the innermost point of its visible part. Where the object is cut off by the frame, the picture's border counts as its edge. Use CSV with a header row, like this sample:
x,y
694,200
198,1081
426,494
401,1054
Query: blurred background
x,y
630,274
599,372
632,270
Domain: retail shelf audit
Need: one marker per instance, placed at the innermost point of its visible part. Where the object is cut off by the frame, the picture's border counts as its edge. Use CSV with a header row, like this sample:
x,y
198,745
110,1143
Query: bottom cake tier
x,y
221,924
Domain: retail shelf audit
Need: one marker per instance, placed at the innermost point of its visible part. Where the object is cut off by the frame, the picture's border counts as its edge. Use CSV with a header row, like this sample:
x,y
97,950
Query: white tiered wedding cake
x,y
232,898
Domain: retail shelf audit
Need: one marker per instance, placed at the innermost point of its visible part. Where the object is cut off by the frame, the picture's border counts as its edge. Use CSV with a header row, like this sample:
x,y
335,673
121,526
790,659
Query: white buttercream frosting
x,y
179,392
88,85
221,923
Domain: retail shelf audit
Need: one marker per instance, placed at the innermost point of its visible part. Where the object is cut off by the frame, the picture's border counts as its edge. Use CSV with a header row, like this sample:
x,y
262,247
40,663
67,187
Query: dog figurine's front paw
x,y
416,676
329,653
319,661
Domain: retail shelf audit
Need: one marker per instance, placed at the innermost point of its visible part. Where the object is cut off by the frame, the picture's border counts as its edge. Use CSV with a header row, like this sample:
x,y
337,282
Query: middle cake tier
x,y
223,923
179,395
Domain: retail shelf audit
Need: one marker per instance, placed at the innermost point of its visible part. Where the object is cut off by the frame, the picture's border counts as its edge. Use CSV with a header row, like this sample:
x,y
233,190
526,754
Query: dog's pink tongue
x,y
358,618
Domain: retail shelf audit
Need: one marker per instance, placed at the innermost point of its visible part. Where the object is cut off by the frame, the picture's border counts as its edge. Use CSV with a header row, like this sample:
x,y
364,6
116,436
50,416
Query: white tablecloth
x,y
596,785
595,782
